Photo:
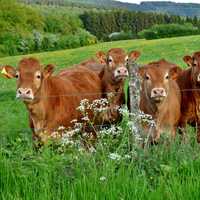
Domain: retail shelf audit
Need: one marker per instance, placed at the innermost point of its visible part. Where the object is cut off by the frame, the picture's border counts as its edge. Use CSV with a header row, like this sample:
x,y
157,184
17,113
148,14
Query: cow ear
x,y
188,60
48,70
101,56
134,55
8,72
175,72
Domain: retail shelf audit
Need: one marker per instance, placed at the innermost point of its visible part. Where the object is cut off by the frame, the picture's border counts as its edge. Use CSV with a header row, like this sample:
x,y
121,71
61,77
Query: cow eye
x,y
167,77
38,76
110,59
17,75
126,59
147,77
194,64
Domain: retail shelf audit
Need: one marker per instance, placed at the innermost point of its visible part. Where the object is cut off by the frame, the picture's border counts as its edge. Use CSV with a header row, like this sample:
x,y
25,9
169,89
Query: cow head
x,y
194,62
156,80
116,61
30,76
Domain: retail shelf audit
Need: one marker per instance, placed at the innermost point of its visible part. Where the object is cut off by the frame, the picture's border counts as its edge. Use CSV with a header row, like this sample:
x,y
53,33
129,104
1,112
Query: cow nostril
x,y
118,71
155,91
28,92
19,91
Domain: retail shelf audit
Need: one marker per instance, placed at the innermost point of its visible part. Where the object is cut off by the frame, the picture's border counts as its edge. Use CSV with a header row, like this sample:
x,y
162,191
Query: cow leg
x,y
173,132
156,136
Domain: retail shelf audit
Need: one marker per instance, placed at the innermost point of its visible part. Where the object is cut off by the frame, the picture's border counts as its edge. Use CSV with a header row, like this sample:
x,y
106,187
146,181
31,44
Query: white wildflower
x,y
114,156
86,118
92,150
74,121
61,128
127,156
102,178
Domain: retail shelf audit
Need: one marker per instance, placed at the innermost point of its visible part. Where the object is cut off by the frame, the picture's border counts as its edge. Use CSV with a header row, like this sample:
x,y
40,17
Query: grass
x,y
170,171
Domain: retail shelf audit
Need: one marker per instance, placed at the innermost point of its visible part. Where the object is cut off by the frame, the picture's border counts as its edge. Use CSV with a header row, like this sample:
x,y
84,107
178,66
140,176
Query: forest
x,y
28,28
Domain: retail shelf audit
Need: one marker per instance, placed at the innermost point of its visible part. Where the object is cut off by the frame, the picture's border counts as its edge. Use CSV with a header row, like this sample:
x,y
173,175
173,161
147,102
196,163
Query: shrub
x,y
168,30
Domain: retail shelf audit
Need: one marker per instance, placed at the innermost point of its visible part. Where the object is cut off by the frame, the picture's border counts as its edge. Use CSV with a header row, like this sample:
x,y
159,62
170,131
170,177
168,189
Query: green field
x,y
164,171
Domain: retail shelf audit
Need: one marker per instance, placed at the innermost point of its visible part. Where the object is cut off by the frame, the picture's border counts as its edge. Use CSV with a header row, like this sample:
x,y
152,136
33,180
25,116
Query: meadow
x,y
119,169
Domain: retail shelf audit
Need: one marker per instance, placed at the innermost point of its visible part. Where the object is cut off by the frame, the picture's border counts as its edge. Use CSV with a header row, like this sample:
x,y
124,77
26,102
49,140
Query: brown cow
x,y
160,96
189,83
113,76
93,64
51,100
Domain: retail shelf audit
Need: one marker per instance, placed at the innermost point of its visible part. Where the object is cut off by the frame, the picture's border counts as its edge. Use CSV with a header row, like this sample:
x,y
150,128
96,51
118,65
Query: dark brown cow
x,y
51,100
113,75
189,83
160,96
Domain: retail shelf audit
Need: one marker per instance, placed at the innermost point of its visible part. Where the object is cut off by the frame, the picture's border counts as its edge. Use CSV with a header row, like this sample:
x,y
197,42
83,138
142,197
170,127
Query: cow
x,y
189,83
93,64
52,100
160,96
113,77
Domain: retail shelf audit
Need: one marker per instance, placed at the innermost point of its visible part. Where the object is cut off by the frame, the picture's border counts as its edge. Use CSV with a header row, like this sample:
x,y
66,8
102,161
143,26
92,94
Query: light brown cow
x,y
113,76
51,100
160,96
189,83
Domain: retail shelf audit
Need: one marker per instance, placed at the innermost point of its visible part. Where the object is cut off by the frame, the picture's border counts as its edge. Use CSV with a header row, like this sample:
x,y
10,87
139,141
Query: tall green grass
x,y
170,170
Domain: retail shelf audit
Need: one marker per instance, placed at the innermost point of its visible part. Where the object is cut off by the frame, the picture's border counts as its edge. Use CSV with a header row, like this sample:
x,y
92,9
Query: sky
x,y
178,1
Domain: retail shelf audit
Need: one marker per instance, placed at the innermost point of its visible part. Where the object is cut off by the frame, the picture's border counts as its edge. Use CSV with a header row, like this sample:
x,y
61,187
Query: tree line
x,y
103,23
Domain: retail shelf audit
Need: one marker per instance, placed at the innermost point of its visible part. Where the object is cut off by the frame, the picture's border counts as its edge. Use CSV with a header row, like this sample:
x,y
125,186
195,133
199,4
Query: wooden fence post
x,y
136,115
134,99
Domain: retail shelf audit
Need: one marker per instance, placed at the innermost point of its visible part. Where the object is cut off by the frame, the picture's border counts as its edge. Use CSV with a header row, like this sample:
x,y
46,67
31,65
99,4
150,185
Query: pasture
x,y
118,169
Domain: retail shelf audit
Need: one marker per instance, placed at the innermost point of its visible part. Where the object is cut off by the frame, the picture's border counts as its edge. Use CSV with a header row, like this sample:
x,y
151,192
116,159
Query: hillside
x,y
182,9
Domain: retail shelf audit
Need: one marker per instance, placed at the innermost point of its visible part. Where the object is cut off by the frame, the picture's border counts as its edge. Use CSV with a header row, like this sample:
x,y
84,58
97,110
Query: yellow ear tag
x,y
4,72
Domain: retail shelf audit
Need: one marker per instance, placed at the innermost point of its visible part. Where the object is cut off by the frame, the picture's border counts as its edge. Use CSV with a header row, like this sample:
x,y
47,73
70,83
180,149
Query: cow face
x,y
116,61
194,62
30,76
155,80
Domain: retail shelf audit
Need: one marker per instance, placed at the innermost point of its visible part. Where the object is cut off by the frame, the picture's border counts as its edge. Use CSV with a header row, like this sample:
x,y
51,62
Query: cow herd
x,y
168,93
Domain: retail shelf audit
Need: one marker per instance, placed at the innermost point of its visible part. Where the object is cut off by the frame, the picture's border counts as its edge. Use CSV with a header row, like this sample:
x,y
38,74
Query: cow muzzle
x,y
121,73
25,94
158,94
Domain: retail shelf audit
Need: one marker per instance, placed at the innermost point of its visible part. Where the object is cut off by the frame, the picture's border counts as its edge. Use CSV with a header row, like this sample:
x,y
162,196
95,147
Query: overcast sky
x,y
182,1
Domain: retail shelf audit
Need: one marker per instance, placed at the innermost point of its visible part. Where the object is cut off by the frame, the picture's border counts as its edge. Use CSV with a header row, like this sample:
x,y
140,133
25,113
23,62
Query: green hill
x,y
182,9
